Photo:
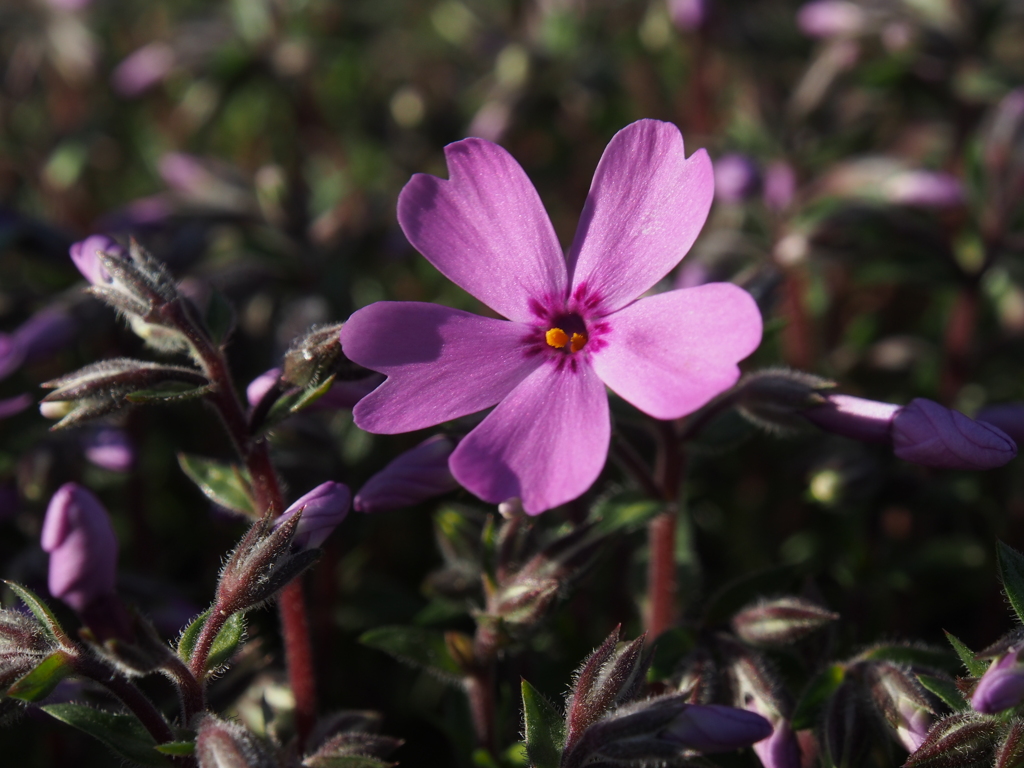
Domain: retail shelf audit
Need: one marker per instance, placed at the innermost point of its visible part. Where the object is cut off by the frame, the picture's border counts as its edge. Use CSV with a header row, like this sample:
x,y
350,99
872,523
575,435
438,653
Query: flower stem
x,y
480,685
193,697
269,500
661,535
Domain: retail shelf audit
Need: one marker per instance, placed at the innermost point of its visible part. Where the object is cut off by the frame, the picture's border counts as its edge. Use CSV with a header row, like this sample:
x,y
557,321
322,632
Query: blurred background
x,y
869,165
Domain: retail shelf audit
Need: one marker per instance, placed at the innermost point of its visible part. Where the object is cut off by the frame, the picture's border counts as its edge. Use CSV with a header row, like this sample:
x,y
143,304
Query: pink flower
x,y
574,322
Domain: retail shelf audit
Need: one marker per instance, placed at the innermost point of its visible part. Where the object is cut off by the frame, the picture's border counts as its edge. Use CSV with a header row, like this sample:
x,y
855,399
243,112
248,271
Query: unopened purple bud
x,y
414,476
13,405
262,384
143,69
84,254
109,448
854,417
915,722
736,178
779,186
716,728
927,433
83,548
323,509
688,15
830,18
1002,685
781,749
1008,417
927,189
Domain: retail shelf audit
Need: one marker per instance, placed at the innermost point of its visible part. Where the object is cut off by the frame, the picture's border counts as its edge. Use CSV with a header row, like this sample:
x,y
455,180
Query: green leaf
x,y
945,690
312,394
226,484
175,748
670,647
1011,573
544,729
38,683
976,667
625,512
174,392
817,692
224,645
124,734
295,400
40,611
220,318
908,654
424,648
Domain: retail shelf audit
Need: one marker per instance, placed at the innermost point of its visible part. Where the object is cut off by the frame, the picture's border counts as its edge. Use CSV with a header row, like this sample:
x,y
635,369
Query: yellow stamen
x,y
579,340
557,338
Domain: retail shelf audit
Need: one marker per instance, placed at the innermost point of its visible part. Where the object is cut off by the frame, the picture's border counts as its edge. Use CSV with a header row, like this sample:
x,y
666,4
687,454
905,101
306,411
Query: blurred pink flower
x,y
574,324
143,69
831,18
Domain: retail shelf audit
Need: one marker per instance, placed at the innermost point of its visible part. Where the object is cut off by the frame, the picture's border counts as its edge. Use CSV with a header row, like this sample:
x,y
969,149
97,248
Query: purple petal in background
x,y
831,18
12,355
259,386
688,15
109,448
736,178
84,255
16,404
414,476
927,189
671,353
485,229
545,443
925,432
441,363
46,332
646,206
781,749
143,69
779,186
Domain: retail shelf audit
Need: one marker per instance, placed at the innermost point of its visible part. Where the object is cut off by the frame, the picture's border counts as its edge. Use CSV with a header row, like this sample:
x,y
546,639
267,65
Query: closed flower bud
x,y
775,398
314,356
902,702
83,548
961,739
780,621
736,178
416,475
85,255
1002,685
716,728
925,432
322,509
223,744
854,417
1009,417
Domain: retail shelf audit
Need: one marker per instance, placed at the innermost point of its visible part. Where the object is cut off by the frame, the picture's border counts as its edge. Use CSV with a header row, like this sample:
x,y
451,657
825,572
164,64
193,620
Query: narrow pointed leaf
x,y
420,647
945,690
220,482
40,682
1011,573
808,708
121,733
912,655
170,394
40,611
975,666
544,729
176,748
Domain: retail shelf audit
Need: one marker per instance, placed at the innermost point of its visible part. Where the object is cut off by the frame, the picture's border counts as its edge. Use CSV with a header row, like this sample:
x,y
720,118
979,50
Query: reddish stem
x,y
662,584
298,650
797,343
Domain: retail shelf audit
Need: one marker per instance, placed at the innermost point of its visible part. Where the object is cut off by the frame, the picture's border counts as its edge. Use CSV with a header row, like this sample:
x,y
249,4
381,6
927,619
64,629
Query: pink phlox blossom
x,y
574,322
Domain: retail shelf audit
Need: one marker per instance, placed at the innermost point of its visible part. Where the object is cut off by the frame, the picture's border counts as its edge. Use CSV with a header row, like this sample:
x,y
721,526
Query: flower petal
x,y
441,363
545,443
485,229
646,206
670,354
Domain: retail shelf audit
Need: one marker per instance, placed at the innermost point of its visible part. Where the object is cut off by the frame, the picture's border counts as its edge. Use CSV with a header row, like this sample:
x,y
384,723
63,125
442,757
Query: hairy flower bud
x,y
773,398
902,702
224,744
780,621
414,476
314,356
925,432
716,728
83,548
323,508
1002,685
962,739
